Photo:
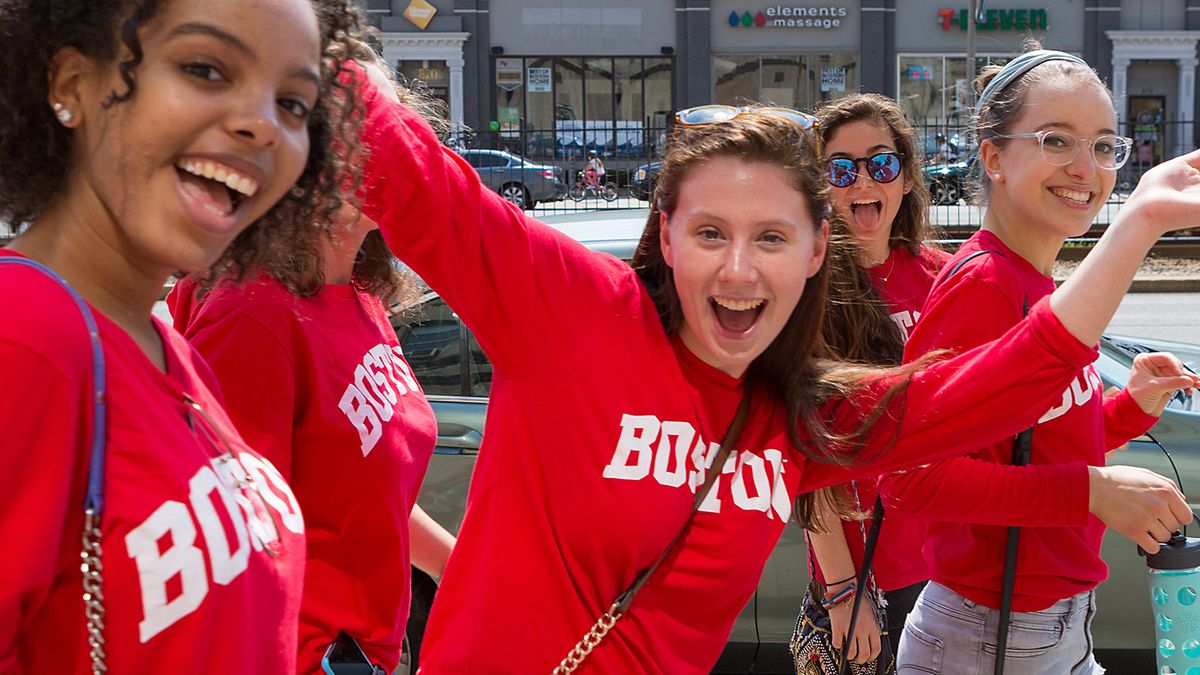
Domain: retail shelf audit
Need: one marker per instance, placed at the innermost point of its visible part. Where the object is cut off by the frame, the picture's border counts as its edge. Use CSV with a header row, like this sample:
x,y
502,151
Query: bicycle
x,y
581,187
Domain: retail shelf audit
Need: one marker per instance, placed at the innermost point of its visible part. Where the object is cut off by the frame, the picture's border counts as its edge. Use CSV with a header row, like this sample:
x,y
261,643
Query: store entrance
x,y
428,75
1146,129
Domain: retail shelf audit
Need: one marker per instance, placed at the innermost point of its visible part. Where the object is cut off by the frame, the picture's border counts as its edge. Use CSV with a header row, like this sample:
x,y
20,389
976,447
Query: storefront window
x,y
800,81
564,107
934,89
430,76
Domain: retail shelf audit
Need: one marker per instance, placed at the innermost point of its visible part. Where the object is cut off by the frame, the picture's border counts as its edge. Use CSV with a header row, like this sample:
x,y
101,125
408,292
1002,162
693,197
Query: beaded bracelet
x,y
840,597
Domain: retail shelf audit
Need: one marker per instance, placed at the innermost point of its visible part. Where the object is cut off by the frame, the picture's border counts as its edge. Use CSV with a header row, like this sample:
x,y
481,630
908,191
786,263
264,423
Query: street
x,y
1163,316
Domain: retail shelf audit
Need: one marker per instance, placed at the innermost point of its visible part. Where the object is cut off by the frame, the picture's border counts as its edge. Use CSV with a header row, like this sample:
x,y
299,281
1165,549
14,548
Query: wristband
x,y
841,581
840,597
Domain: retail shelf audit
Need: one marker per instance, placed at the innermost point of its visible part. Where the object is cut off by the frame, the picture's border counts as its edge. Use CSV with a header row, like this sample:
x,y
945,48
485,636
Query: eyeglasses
x,y
882,167
1109,151
715,114
236,478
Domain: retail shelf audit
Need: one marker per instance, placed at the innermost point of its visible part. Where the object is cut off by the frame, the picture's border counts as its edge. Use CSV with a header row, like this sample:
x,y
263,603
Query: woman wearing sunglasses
x,y
1049,155
876,292
614,388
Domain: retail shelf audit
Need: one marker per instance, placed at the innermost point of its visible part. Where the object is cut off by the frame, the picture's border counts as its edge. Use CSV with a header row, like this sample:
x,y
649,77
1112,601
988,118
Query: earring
x,y
65,116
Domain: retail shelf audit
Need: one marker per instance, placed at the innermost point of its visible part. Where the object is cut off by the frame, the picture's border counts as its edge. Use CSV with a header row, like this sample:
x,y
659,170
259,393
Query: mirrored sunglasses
x,y
882,167
716,114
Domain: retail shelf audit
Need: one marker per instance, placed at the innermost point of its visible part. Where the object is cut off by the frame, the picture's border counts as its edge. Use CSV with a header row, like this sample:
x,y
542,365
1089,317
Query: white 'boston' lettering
x,y
378,384
182,559
1079,392
673,444
637,433
226,564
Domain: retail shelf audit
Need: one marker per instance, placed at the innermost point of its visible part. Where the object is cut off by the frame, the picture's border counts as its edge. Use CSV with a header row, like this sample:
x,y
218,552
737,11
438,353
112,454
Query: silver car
x,y
517,179
457,375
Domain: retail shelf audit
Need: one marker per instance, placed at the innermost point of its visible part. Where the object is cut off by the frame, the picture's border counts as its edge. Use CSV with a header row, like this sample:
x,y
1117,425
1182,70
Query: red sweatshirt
x,y
970,498
903,282
599,424
188,587
348,423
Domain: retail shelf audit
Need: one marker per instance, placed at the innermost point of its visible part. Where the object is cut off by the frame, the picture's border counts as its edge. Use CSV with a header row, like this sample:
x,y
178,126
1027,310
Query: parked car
x,y
517,179
457,376
948,182
643,179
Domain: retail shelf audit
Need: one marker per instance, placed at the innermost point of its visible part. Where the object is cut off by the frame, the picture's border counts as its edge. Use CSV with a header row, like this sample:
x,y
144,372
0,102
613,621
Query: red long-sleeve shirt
x,y
969,499
903,282
349,426
188,586
599,424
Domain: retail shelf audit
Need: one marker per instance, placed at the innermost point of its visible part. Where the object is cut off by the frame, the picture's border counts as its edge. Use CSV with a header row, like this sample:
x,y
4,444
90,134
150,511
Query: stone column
x,y
1120,68
456,92
1186,106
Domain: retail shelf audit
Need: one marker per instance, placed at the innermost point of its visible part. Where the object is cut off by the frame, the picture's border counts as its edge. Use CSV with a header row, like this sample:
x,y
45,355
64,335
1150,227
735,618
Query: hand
x,y
1137,503
1167,197
865,646
1155,378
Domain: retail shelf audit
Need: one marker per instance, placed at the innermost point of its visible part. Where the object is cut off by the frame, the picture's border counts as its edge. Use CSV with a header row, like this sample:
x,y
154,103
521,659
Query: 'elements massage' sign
x,y
782,16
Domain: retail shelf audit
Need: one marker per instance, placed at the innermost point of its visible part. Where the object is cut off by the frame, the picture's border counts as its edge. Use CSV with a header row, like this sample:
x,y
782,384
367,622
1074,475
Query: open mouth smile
x,y
215,186
737,315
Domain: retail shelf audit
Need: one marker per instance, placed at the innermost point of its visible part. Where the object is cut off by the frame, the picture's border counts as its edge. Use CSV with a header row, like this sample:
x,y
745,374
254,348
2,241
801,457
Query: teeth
x,y
859,202
233,180
1073,195
739,305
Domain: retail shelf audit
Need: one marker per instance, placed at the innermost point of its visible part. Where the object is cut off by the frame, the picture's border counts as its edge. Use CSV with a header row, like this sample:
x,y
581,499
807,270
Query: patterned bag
x,y
812,642
812,647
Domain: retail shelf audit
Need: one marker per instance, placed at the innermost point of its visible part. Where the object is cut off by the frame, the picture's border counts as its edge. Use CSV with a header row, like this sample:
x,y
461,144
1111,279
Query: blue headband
x,y
1016,68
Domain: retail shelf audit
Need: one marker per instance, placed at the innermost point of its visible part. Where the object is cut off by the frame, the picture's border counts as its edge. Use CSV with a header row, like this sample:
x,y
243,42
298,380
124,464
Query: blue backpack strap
x,y
94,500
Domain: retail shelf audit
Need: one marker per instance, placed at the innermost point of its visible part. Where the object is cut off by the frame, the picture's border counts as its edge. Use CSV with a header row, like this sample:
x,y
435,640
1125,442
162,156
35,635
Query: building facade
x,y
607,74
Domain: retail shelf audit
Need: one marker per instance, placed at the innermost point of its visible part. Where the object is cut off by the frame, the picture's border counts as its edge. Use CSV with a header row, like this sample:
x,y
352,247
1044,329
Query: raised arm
x,y
1167,198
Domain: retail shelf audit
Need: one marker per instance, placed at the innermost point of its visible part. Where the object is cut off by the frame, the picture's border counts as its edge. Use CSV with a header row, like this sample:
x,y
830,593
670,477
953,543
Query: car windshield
x,y
1116,358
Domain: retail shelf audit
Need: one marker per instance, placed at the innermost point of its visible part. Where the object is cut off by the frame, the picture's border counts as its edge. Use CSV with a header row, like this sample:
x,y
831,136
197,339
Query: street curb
x,y
1158,285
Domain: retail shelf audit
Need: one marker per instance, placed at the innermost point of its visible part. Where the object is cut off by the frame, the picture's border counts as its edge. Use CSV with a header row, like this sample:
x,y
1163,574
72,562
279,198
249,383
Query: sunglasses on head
x,y
882,167
715,114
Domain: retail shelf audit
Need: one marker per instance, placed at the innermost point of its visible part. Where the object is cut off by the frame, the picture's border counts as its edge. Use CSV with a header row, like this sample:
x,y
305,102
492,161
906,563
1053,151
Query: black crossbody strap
x,y
868,555
1021,456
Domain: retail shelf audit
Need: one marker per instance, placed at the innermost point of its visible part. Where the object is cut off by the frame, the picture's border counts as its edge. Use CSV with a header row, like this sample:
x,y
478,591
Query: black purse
x,y
811,645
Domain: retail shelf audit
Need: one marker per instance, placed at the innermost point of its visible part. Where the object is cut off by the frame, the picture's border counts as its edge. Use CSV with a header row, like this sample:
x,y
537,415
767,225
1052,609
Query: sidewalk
x,y
1156,275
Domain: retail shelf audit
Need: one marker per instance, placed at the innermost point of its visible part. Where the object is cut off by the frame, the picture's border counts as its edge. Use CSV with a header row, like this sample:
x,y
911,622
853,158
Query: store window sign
x,y
833,79
538,80
419,13
918,71
995,19
784,16
508,74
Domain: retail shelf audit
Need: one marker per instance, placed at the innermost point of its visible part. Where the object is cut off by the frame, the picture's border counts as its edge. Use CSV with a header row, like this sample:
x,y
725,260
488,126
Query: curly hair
x,y
35,150
794,367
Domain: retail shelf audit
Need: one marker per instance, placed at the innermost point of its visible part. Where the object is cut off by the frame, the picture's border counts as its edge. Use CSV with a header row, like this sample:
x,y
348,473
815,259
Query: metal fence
x,y
630,153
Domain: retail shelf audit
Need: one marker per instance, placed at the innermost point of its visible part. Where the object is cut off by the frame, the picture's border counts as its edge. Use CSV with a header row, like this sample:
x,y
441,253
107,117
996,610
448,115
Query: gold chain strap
x,y
594,636
93,590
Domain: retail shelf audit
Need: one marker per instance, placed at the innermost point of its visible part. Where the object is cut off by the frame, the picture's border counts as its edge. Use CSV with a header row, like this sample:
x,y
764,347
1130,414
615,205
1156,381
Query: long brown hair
x,y
858,325
793,367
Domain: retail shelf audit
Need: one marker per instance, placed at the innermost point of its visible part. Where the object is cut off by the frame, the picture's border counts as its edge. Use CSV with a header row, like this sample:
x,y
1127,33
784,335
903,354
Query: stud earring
x,y
64,115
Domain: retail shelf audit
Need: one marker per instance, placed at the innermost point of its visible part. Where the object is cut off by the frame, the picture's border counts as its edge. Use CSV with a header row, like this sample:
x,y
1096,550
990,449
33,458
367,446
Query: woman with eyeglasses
x,y
615,389
141,138
878,282
1049,153
349,426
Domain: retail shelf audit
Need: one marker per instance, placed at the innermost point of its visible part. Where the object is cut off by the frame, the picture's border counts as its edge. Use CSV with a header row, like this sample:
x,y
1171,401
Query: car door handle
x,y
462,438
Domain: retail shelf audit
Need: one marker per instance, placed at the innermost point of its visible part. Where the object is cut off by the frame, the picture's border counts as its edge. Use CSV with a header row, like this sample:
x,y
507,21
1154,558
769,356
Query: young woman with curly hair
x,y
613,387
878,281
140,138
347,424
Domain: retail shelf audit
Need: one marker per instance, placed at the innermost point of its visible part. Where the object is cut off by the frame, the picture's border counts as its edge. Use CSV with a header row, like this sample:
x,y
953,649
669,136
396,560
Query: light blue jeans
x,y
948,634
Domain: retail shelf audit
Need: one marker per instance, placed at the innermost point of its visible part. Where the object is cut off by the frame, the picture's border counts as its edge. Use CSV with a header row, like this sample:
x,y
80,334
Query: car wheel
x,y
423,590
515,193
938,194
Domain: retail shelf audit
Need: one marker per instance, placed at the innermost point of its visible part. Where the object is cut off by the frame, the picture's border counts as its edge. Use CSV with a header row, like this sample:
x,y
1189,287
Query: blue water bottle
x,y
1174,577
